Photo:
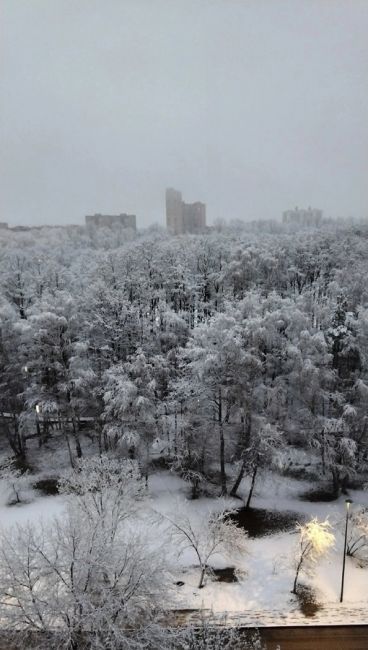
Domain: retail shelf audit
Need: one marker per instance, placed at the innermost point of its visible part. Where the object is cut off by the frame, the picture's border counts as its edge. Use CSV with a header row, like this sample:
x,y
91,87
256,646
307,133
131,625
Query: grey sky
x,y
252,106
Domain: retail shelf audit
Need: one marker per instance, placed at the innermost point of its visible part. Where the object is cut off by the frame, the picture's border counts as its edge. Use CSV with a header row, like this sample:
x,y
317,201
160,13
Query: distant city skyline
x,y
254,107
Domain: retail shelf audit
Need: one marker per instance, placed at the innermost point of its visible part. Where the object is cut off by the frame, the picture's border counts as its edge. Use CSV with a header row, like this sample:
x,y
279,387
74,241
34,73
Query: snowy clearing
x,y
262,594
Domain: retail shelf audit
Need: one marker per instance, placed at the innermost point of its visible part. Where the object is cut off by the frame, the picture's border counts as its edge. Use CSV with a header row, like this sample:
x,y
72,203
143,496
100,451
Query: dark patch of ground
x,y
308,604
48,486
259,522
225,575
160,463
300,472
322,493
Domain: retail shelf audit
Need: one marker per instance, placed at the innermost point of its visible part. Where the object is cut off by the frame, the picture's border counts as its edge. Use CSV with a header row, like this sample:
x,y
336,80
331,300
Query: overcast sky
x,y
252,106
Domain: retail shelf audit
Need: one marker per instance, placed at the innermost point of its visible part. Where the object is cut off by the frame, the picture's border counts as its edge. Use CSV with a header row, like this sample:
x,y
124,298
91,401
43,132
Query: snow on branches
x,y
212,534
315,540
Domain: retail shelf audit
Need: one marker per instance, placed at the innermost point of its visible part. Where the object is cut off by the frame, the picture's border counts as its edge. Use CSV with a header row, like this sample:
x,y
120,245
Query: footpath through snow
x,y
331,614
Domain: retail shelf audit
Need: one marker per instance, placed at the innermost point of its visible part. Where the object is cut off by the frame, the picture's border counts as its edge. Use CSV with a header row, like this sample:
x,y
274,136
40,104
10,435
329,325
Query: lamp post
x,y
38,428
347,502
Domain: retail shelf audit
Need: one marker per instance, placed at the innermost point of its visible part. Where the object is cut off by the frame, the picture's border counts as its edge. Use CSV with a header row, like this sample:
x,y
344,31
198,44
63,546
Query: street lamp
x,y
347,502
38,428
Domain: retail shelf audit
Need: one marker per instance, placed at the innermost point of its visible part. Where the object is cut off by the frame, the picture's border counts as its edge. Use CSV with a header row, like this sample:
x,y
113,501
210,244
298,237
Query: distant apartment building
x,y
174,211
111,220
184,217
302,217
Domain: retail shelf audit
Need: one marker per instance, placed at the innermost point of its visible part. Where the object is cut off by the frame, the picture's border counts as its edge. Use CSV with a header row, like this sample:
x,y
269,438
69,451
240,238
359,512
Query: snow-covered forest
x,y
151,382
203,351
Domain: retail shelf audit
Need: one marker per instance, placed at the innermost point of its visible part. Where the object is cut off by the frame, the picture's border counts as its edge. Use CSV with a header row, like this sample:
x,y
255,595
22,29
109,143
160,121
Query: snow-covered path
x,y
330,614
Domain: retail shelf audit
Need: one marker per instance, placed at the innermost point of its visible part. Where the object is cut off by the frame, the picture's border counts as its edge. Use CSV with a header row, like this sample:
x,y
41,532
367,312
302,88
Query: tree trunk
x,y
255,470
38,429
176,433
69,448
244,443
78,447
201,580
222,457
239,479
222,447
195,483
335,481
14,436
99,440
293,591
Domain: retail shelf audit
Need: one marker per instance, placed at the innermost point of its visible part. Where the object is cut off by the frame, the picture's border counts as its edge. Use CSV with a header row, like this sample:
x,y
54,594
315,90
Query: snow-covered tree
x,y
193,340
12,380
59,376
131,413
357,545
74,580
104,487
264,442
315,540
338,450
87,575
214,360
215,634
17,483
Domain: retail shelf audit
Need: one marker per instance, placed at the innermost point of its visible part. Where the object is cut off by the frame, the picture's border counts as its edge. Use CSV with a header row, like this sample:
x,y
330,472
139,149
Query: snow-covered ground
x,y
42,509
262,594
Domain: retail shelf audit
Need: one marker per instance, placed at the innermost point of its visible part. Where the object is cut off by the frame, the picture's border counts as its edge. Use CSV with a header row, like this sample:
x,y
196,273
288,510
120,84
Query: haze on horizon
x,y
252,106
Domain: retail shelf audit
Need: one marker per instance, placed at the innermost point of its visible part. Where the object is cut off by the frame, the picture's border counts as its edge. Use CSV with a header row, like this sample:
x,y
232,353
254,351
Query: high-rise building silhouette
x,y
184,217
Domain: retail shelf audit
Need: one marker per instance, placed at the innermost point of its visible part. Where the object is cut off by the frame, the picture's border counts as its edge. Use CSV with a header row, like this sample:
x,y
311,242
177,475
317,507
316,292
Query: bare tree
x,y
214,533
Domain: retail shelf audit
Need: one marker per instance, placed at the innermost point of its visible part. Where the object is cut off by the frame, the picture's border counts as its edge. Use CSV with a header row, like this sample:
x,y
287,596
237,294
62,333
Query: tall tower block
x,y
174,212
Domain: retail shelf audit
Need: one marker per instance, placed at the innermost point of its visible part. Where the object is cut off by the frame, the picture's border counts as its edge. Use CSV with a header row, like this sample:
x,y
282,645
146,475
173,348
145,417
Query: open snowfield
x,y
265,574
